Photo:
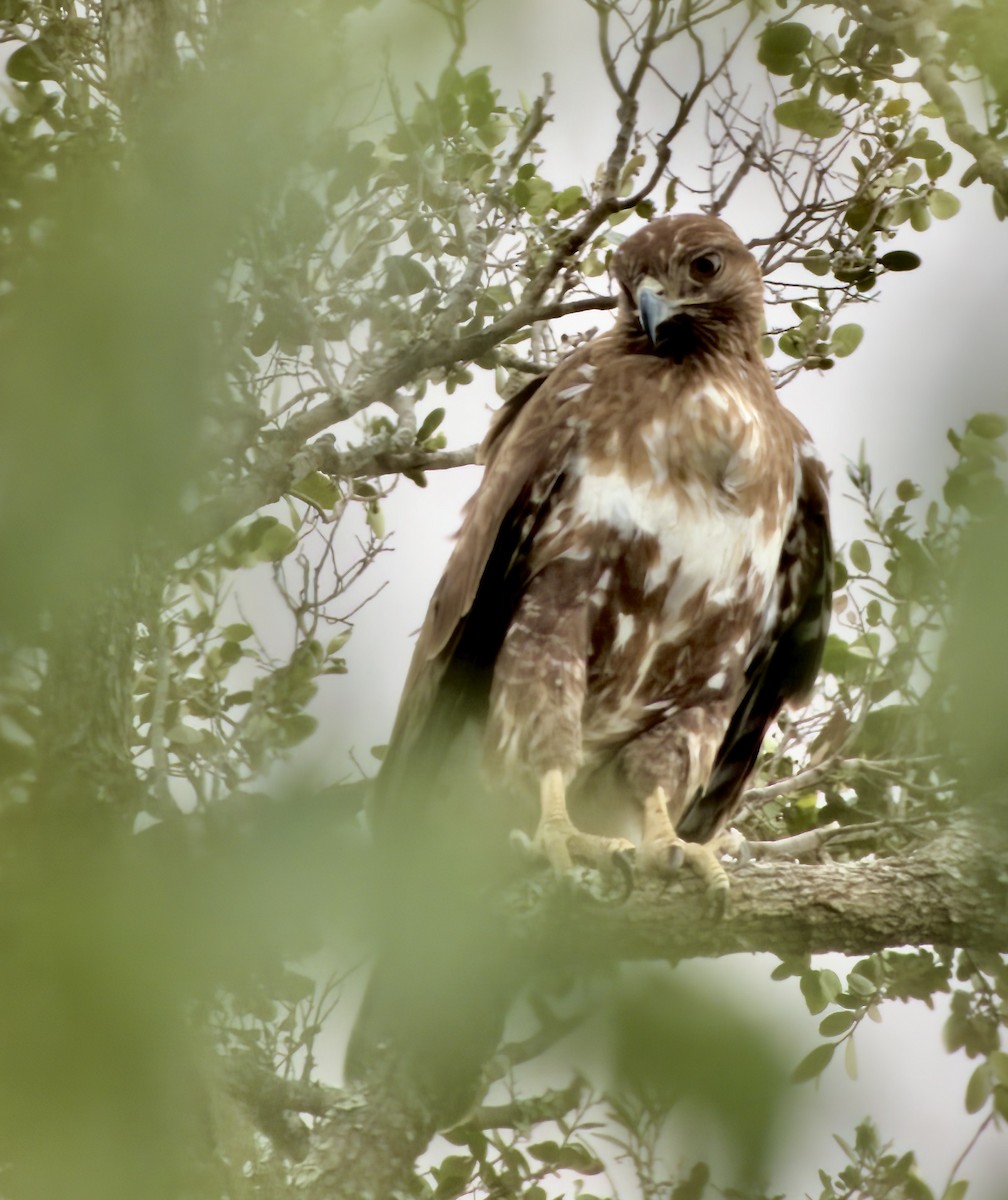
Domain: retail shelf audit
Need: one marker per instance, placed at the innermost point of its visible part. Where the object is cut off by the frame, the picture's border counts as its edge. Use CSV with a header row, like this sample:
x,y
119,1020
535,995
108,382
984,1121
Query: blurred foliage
x,y
228,228
874,1171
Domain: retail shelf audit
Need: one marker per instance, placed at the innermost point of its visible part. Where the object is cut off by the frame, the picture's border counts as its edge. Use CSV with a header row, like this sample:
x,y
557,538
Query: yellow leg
x,y
662,850
558,840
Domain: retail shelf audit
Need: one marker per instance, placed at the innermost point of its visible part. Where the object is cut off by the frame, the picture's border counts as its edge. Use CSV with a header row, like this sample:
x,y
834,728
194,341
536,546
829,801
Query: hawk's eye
x,y
705,266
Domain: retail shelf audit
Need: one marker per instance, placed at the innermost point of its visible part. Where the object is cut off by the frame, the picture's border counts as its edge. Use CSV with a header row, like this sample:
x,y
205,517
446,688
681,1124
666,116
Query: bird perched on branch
x,y
639,584
643,578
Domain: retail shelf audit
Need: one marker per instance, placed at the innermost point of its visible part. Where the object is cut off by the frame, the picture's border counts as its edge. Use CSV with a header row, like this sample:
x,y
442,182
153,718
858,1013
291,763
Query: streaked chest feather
x,y
714,498
687,554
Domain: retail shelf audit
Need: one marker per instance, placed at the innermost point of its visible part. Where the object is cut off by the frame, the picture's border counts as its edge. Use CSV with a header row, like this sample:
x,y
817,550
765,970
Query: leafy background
x,y
217,256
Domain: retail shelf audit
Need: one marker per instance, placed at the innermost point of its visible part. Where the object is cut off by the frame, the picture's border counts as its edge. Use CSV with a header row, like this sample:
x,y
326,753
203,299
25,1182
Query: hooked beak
x,y
654,310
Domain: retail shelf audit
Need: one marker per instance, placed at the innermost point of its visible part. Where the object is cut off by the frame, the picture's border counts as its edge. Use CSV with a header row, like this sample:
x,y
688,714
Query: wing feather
x,y
787,665
525,453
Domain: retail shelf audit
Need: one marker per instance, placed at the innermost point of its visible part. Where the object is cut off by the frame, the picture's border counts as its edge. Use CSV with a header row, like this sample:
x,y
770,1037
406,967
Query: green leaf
x,y
787,968
338,642
694,1185
404,276
860,985
859,556
979,1088
574,1157
453,1174
538,197
920,216
817,262
819,988
184,735
850,1059
845,340
237,632
830,984
277,542
900,260
907,490
318,490
792,343
430,423
924,148
956,1191
780,45
814,1063
866,1139
298,727
808,116
987,425
29,64
836,1023
917,1189
630,172
937,167
998,1063
569,201
375,519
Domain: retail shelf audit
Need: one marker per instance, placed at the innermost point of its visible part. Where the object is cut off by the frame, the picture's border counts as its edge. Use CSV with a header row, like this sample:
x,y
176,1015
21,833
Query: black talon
x,y
675,858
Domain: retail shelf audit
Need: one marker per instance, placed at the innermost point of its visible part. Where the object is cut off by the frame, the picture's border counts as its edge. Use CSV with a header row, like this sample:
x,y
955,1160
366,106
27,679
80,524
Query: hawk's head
x,y
691,286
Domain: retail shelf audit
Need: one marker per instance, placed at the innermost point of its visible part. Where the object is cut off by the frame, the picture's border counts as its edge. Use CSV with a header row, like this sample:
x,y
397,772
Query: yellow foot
x,y
662,855
560,842
561,845
662,850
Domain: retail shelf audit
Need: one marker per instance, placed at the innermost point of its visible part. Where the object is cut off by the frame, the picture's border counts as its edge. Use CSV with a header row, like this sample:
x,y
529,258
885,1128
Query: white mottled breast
x,y
709,521
697,499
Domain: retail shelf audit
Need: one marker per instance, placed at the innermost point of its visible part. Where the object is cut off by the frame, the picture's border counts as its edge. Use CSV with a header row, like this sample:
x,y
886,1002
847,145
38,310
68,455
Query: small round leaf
x,y
845,340
836,1023
808,116
943,204
859,556
900,260
780,45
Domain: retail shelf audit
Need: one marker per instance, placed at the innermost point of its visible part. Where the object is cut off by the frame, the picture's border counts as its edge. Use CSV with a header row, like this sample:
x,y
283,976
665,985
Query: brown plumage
x,y
642,579
640,582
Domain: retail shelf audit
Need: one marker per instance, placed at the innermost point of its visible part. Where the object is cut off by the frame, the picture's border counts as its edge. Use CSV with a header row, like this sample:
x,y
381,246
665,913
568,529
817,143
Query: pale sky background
x,y
934,351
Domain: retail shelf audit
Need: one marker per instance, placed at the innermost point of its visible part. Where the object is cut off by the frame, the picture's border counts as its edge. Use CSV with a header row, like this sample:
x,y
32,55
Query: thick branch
x,y
281,461
137,35
366,1147
934,79
949,892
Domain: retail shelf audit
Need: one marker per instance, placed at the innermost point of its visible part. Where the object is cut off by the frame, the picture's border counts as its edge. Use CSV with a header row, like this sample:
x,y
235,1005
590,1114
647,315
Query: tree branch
x,y
933,77
949,892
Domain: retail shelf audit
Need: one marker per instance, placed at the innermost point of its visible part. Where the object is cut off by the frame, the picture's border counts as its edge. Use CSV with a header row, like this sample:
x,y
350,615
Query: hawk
x,y
642,579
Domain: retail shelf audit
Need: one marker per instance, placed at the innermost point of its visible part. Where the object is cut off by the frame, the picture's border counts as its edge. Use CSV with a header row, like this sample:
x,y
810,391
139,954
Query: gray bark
x,y
139,49
950,892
